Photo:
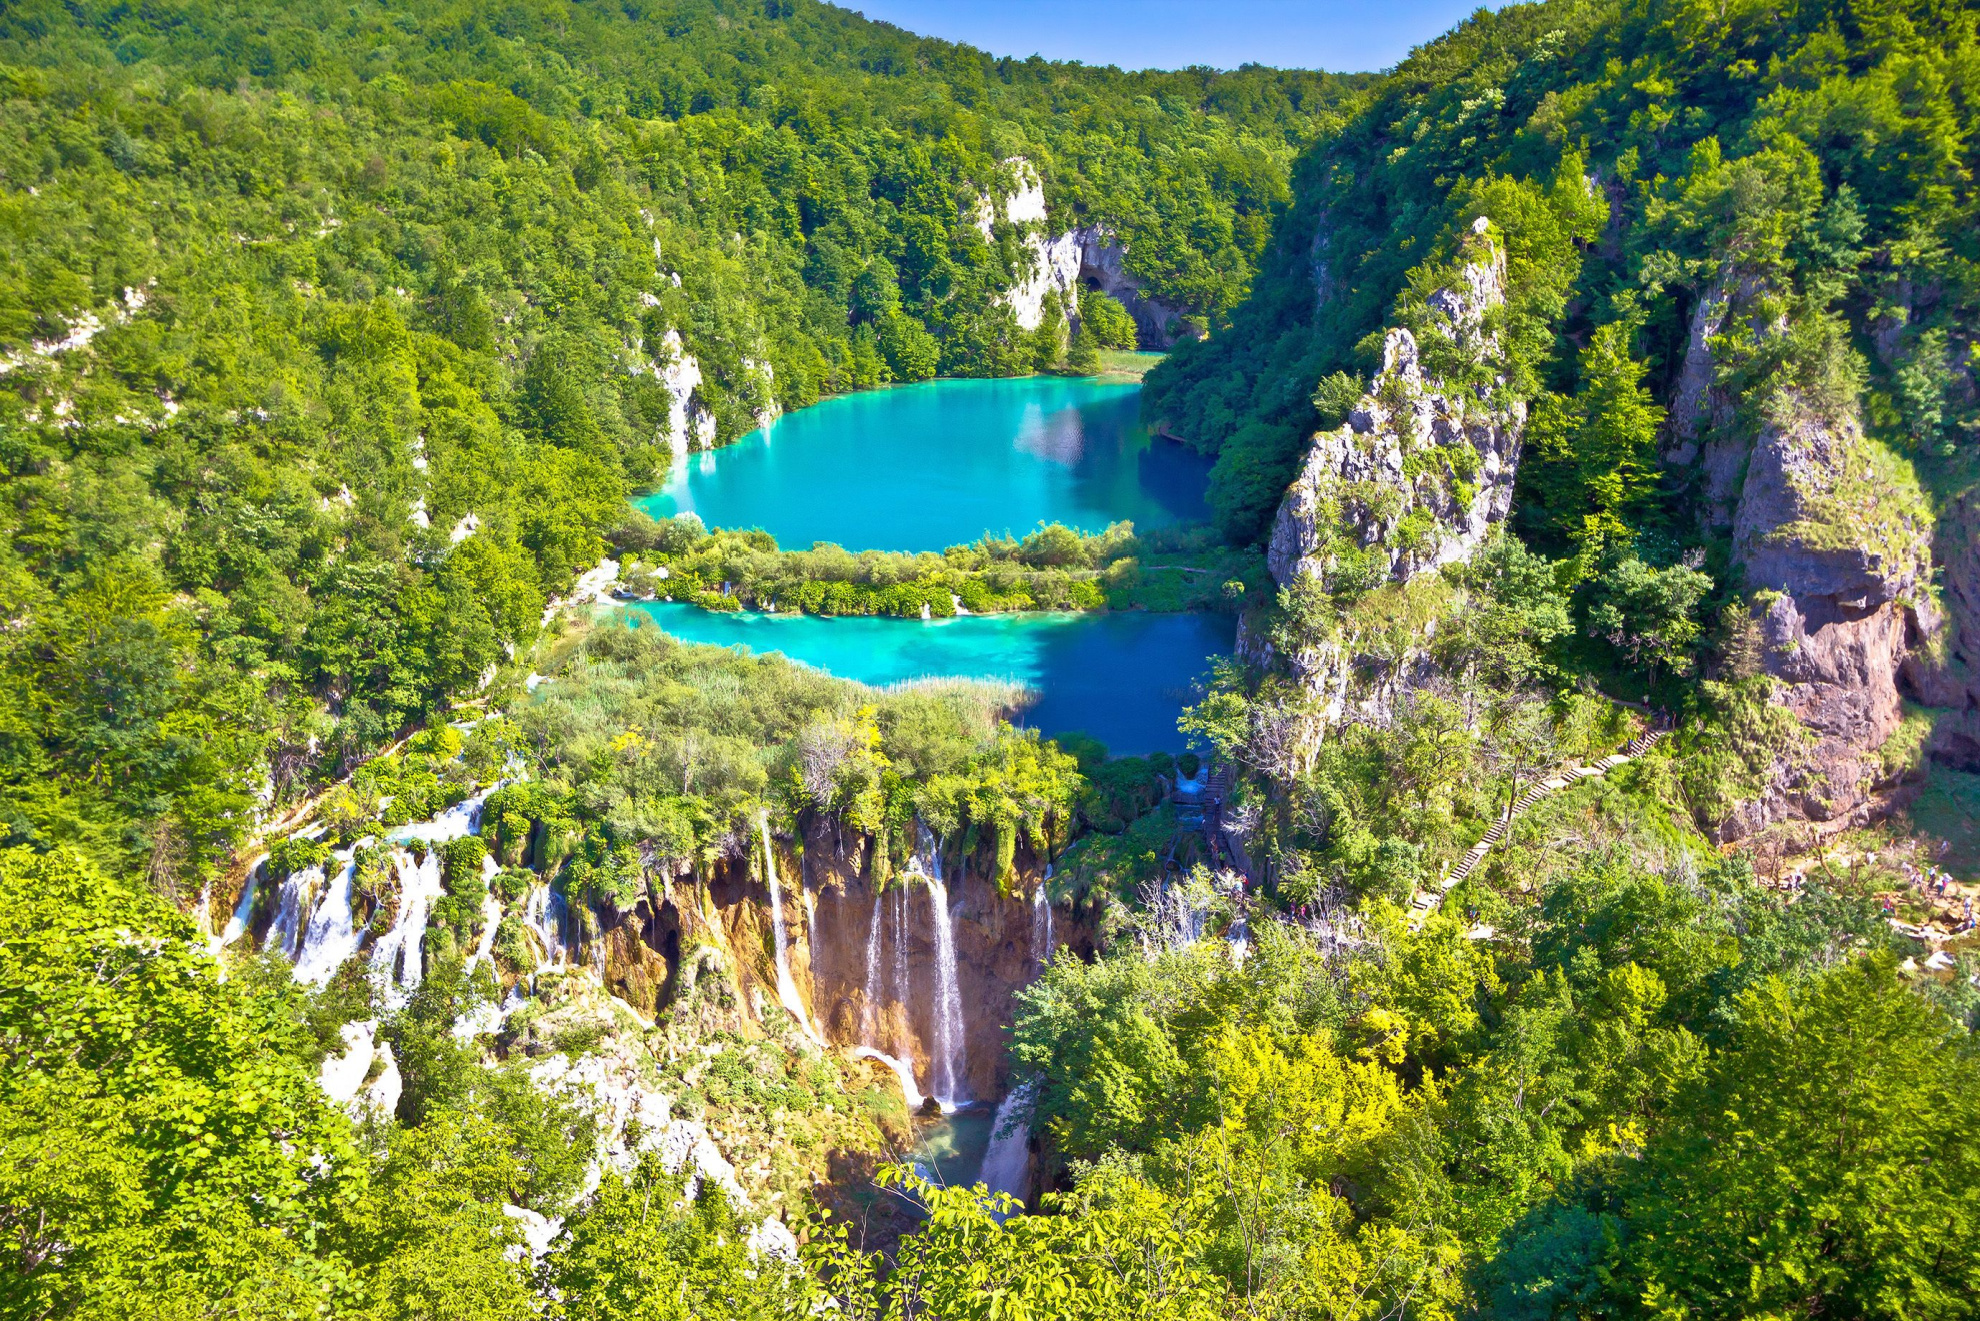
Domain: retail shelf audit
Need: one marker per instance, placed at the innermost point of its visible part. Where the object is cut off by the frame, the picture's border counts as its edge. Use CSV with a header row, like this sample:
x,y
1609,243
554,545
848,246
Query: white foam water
x,y
1007,1161
787,991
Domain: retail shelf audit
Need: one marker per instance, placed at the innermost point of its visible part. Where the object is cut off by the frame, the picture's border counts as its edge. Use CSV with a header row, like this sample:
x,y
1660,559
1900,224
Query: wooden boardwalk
x,y
1426,901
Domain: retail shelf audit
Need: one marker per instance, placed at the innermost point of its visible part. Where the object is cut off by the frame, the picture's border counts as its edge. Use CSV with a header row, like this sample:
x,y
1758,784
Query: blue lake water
x,y
1123,678
923,467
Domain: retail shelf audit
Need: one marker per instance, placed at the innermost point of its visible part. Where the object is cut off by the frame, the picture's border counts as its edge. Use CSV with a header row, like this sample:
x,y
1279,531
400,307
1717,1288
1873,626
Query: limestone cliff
x,y
1831,537
1422,469
1060,262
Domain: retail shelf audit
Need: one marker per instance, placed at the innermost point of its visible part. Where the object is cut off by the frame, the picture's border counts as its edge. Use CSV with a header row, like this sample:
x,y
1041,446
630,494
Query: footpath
x,y
1427,900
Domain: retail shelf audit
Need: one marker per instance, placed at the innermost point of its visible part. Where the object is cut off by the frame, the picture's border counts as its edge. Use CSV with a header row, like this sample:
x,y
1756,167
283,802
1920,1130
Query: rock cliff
x,y
1422,469
1939,670
1831,536
1061,262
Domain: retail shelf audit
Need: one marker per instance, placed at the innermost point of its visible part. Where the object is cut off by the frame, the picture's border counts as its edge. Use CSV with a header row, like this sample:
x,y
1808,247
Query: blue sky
x,y
1169,34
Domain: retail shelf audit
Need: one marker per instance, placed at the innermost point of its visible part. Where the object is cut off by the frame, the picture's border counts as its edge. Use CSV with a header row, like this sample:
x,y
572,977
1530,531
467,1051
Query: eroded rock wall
x,y
861,983
1831,537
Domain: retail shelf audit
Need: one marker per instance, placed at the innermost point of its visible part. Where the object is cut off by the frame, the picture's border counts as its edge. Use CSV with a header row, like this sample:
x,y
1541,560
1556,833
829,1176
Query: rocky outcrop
x,y
1833,538
1939,671
690,424
1422,469
1102,263
1060,263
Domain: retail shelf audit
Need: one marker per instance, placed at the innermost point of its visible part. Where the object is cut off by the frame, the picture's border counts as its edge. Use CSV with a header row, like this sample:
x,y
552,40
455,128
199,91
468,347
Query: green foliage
x,y
160,1131
1649,614
1052,568
1818,154
641,1250
368,316
1102,314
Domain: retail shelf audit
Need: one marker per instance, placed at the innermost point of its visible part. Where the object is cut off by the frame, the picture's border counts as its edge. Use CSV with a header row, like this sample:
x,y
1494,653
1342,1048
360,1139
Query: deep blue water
x,y
1123,678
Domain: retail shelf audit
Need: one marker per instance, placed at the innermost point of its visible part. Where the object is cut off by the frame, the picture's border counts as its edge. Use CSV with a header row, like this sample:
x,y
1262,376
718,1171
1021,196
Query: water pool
x,y
922,467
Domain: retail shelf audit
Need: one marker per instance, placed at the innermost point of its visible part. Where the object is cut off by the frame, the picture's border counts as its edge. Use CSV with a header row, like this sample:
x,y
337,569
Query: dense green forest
x,y
339,279
1826,148
334,340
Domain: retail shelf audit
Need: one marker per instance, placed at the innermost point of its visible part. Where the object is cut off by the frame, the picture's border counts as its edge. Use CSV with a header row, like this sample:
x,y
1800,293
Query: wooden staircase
x,y
1425,902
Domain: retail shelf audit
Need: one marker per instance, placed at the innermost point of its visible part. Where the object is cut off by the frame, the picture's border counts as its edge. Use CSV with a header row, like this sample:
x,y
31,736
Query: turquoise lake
x,y
1123,678
923,467
926,466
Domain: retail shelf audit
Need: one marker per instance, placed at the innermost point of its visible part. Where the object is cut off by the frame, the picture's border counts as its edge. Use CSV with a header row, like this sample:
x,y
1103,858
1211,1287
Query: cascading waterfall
x,y
330,938
1007,1161
397,963
1239,936
1041,920
285,933
902,1044
948,1053
237,924
945,1065
787,992
543,914
869,1025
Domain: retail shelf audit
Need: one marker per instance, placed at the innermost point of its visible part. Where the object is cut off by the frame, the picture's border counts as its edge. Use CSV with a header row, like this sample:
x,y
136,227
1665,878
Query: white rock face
x,y
1055,266
690,426
612,1088
1027,204
1352,491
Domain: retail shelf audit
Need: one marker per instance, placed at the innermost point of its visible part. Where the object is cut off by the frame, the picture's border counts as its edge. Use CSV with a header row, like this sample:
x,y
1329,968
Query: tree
x,y
1110,323
1083,357
642,1249
163,1145
1828,1163
1647,614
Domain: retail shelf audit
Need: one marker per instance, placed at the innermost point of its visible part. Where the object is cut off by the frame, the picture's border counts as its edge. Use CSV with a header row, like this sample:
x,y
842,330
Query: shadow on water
x,y
1122,678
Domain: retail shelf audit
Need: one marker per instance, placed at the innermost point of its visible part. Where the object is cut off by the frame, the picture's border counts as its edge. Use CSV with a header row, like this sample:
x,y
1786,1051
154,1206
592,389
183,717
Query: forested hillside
x,y
334,338
1828,148
1566,909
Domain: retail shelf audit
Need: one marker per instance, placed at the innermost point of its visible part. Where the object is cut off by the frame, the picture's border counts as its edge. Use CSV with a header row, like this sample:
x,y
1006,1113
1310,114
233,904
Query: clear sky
x,y
1342,35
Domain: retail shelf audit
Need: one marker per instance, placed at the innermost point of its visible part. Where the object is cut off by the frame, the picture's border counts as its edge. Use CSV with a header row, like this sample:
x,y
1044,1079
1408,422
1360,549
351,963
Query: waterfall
x,y
1239,935
237,925
285,933
397,962
463,818
1007,1162
1041,921
903,1046
787,992
543,913
945,1065
330,938
869,1027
